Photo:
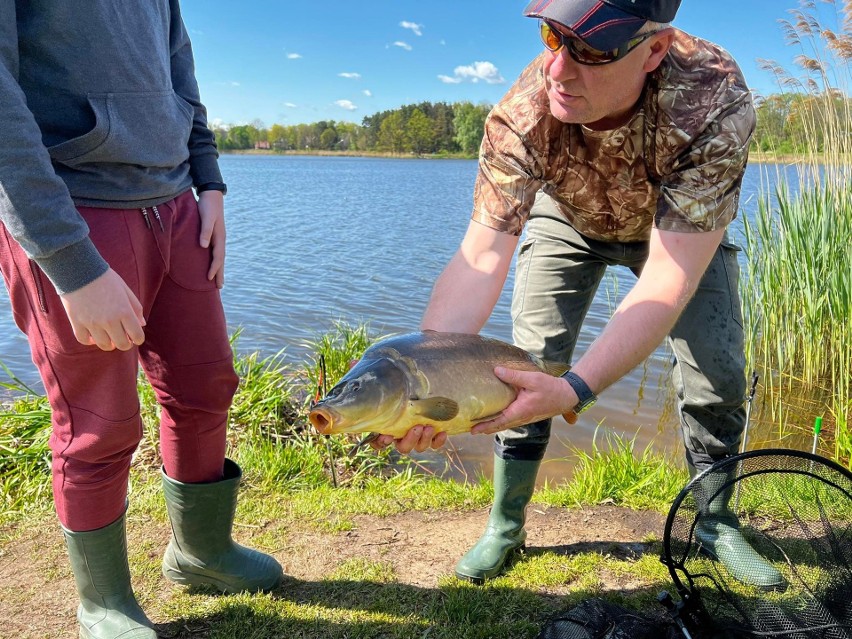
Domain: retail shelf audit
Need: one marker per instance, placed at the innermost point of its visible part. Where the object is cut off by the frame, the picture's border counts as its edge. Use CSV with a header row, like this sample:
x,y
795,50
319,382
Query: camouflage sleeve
x,y
503,194
702,191
512,157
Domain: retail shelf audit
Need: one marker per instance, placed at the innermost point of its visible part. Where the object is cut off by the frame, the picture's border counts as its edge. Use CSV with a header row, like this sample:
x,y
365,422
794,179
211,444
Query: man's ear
x,y
659,46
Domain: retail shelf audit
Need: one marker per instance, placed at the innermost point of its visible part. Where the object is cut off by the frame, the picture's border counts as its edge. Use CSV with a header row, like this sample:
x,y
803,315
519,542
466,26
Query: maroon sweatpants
x,y
92,393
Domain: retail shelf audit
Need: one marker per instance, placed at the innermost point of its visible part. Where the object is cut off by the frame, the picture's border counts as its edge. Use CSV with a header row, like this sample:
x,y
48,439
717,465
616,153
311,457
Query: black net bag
x,y
599,619
761,546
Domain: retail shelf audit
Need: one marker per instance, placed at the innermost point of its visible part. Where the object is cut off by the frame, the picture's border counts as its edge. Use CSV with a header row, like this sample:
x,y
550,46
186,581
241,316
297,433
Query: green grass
x,y
291,498
24,451
615,474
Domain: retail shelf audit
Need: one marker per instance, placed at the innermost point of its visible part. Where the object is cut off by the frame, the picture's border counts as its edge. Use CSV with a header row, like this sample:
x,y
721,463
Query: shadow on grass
x,y
618,550
351,609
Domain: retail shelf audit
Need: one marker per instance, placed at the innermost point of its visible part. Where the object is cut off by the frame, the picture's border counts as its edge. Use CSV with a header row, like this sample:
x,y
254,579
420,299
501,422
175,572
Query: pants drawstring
x,y
156,215
159,220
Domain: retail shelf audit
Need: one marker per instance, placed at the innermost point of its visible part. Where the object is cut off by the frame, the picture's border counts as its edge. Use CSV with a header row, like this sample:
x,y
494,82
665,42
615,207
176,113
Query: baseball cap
x,y
603,24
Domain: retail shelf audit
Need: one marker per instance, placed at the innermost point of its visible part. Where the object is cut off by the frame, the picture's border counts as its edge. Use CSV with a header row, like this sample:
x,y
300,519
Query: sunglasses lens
x,y
549,37
584,54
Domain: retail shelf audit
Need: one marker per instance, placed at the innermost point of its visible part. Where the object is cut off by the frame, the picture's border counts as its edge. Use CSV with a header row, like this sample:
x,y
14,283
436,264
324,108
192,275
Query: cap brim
x,y
598,24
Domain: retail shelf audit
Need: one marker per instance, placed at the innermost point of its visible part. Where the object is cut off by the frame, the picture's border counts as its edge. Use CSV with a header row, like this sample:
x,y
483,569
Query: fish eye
x,y
355,385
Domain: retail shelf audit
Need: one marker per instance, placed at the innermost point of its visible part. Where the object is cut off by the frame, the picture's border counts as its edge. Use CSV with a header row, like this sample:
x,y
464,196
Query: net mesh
x,y
795,510
599,619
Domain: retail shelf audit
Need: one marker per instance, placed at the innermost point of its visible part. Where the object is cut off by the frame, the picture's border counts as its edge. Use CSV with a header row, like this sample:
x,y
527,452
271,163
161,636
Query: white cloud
x,y
402,45
416,28
293,56
235,84
346,104
351,76
289,105
368,93
476,72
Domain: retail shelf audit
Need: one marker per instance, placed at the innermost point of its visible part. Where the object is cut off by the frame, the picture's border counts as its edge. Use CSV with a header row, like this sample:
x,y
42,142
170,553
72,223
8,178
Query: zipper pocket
x,y
42,298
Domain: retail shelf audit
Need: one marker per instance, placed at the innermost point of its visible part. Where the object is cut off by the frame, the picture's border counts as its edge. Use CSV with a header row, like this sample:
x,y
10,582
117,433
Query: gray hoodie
x,y
98,107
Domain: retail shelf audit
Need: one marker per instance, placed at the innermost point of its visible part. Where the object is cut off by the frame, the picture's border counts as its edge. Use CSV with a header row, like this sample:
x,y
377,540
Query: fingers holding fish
x,y
419,438
540,396
381,442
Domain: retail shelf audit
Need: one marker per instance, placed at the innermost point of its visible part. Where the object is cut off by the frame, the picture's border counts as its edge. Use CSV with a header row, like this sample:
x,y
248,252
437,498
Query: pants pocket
x,y
522,272
730,262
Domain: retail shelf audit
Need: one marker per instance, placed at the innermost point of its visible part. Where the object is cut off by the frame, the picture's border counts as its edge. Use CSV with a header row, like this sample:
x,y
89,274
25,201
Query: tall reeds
x,y
798,293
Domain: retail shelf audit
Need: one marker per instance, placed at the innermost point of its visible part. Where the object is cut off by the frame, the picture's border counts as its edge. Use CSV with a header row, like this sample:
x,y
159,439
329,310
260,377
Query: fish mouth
x,y
322,419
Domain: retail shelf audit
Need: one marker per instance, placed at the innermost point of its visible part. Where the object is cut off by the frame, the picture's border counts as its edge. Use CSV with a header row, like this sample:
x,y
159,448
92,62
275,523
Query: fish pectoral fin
x,y
439,409
363,442
557,369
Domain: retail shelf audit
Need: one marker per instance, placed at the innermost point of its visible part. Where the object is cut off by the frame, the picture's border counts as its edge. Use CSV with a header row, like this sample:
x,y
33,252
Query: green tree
x,y
469,123
419,132
349,136
278,137
442,125
392,133
328,138
242,137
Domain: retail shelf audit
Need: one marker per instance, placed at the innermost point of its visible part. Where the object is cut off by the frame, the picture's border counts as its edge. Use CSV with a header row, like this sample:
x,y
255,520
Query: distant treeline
x,y
789,122
425,128
436,128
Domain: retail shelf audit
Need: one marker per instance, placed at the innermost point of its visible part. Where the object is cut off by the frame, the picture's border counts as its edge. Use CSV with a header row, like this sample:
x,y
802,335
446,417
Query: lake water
x,y
315,240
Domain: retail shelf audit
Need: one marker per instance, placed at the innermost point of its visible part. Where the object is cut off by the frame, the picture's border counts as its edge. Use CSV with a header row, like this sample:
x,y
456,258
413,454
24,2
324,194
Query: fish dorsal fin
x,y
551,367
439,409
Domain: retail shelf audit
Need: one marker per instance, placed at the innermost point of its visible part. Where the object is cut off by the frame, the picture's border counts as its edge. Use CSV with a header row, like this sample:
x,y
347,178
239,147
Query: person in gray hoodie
x,y
110,261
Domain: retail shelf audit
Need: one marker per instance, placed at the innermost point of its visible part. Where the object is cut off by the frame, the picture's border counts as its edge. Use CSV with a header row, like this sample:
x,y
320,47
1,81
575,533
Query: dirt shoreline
x,y
38,595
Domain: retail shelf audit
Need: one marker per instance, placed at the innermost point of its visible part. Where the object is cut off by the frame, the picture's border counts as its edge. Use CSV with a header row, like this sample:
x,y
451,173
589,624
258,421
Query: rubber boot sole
x,y
201,580
512,556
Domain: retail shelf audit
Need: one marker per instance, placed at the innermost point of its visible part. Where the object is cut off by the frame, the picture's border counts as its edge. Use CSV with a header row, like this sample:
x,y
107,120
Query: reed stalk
x,y
798,299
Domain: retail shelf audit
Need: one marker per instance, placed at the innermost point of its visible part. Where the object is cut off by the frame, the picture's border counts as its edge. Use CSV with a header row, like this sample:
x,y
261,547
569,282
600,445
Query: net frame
x,y
761,617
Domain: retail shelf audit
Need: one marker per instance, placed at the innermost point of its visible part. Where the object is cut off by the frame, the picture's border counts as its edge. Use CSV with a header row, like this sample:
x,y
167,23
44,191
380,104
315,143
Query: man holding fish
x,y
623,143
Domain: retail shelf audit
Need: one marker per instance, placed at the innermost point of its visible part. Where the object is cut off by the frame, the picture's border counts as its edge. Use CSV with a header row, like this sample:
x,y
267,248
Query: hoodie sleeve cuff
x,y
204,169
74,266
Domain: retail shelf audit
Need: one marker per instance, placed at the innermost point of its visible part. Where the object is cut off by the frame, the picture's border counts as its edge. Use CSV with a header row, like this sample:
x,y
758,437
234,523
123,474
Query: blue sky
x,y
287,62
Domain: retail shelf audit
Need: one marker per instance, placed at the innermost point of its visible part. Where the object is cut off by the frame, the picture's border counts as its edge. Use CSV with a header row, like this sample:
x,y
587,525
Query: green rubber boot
x,y
514,482
718,532
108,608
201,551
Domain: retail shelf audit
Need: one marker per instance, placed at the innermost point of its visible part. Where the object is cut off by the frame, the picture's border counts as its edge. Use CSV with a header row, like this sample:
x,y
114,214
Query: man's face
x,y
602,96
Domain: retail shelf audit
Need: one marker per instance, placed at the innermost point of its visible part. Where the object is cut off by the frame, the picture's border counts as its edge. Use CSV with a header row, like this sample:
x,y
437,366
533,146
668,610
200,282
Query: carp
x,y
445,380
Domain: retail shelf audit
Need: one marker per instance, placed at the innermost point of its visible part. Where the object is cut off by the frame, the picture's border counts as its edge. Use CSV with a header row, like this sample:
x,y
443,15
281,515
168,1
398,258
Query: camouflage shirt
x,y
677,164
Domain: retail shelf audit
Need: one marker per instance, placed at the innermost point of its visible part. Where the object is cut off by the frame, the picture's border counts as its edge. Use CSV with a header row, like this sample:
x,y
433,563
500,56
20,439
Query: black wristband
x,y
212,186
585,395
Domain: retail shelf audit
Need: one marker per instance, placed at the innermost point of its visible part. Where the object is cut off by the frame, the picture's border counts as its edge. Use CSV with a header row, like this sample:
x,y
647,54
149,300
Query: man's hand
x,y
418,438
105,313
539,396
211,207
